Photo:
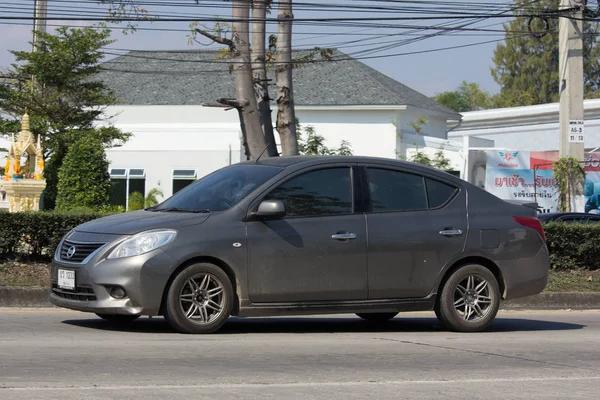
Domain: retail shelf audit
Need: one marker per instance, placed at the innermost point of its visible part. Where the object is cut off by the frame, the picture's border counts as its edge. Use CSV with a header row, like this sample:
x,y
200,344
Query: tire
x,y
377,317
202,291
118,319
467,303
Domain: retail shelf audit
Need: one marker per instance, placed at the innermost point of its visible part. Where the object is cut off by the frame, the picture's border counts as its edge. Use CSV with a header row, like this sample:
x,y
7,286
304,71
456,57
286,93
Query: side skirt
x,y
248,309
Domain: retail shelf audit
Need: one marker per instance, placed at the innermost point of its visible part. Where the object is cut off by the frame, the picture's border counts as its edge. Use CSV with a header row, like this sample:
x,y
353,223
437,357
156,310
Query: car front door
x,y
415,226
317,252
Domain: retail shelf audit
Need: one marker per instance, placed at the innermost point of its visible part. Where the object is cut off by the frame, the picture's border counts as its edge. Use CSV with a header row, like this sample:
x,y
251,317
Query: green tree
x,y
526,66
83,179
136,201
439,160
315,144
467,97
64,99
152,197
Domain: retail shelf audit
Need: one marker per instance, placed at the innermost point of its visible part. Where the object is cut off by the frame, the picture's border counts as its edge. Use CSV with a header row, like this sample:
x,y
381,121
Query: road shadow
x,y
308,325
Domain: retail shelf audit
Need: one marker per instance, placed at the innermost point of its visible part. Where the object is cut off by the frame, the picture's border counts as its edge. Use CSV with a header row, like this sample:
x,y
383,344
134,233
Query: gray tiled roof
x,y
193,77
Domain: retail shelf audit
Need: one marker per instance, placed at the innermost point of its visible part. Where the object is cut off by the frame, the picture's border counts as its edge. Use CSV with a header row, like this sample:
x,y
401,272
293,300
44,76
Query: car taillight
x,y
532,222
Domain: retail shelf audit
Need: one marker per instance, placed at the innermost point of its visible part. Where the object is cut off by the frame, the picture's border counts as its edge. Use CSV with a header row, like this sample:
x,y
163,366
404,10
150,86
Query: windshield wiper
x,y
178,209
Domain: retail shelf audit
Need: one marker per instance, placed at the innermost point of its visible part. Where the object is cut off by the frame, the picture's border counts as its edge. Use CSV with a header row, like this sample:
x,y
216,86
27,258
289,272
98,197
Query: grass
x,y
574,281
30,274
25,274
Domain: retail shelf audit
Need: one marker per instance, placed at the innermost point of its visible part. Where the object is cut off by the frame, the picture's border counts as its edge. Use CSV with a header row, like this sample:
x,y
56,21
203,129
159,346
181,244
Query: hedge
x,y
573,246
35,235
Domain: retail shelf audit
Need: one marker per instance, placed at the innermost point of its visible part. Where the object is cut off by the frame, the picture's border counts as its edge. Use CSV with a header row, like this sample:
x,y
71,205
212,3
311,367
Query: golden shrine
x,y
24,181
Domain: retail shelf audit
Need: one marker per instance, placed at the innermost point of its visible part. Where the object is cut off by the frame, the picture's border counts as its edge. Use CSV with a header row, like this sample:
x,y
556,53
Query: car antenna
x,y
261,154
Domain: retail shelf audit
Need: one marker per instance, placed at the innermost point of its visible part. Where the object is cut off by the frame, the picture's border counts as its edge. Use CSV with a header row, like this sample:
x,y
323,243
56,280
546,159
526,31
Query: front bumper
x,y
143,277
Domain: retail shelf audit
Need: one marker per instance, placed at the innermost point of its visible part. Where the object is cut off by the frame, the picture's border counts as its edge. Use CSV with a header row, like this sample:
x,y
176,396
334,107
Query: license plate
x,y
66,279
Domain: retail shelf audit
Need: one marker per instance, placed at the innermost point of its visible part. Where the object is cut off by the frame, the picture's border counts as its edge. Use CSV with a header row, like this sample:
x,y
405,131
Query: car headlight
x,y
142,243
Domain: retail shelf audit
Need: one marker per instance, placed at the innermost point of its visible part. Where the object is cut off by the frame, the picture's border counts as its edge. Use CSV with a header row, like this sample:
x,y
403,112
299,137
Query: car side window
x,y
439,193
316,193
396,191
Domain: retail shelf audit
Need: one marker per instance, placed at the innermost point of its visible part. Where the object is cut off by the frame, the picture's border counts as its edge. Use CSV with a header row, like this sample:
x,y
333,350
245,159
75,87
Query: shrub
x,y
83,179
35,235
573,246
152,198
136,201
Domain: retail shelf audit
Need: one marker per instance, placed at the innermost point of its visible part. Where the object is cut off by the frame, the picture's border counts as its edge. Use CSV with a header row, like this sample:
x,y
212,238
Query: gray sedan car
x,y
307,235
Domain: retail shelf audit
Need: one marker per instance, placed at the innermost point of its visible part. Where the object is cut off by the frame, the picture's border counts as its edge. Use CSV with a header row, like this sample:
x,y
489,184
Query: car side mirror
x,y
269,209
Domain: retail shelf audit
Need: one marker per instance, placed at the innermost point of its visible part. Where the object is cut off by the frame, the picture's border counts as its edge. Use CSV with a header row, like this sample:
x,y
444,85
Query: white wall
x,y
369,132
206,139
203,138
531,128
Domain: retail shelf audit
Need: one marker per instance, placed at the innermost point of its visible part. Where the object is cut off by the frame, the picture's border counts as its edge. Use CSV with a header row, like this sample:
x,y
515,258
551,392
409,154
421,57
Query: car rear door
x,y
318,252
416,225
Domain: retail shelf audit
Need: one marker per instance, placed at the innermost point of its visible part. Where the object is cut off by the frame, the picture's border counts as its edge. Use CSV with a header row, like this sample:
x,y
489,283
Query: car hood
x,y
138,221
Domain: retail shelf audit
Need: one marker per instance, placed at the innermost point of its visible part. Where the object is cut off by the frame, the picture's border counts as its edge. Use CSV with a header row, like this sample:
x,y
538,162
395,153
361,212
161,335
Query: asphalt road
x,y
50,354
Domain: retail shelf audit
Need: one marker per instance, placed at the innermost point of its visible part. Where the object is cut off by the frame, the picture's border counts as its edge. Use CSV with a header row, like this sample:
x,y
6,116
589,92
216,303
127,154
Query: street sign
x,y
576,133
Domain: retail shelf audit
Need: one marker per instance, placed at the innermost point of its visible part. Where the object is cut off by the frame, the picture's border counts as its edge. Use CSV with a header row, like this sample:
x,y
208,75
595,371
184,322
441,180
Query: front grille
x,y
77,252
81,293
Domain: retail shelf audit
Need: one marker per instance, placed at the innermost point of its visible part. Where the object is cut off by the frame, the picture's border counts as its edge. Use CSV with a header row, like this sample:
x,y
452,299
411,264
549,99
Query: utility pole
x,y
39,21
571,116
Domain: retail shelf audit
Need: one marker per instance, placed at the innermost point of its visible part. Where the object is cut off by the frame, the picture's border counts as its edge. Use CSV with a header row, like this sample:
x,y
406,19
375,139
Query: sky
x,y
380,47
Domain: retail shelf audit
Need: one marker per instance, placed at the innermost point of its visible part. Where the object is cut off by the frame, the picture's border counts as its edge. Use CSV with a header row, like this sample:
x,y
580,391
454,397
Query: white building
x,y
530,128
176,139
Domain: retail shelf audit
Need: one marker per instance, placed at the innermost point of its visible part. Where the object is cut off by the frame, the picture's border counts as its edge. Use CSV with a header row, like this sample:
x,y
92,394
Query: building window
x,y
183,178
124,182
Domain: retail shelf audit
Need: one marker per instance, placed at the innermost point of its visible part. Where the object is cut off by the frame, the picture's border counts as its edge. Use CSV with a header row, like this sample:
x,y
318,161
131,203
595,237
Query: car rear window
x,y
439,193
396,191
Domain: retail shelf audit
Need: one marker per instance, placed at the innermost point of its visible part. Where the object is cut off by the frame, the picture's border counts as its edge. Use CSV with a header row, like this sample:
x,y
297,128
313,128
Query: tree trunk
x,y
243,77
286,117
259,73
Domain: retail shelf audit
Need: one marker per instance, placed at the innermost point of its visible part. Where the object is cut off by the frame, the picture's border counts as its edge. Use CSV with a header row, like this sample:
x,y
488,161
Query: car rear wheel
x,y
469,300
199,299
118,319
377,317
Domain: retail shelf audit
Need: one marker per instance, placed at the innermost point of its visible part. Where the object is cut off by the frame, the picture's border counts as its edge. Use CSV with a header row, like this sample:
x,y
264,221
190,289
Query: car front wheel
x,y
469,300
199,299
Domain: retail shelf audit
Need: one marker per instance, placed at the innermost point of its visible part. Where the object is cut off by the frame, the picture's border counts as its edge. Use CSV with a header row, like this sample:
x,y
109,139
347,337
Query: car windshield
x,y
220,190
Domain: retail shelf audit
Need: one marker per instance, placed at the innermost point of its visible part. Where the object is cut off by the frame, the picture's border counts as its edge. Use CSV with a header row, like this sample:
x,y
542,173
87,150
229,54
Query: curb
x,y
555,301
36,297
24,297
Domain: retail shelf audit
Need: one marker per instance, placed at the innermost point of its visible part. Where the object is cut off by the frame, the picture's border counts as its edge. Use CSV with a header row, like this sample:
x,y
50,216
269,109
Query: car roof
x,y
287,161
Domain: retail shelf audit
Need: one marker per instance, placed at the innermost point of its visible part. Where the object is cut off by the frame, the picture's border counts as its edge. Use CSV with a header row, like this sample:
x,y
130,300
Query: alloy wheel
x,y
473,298
202,298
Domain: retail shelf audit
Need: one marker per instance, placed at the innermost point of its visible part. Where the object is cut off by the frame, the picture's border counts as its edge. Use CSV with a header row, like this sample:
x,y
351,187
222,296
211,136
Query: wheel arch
x,y
484,262
210,260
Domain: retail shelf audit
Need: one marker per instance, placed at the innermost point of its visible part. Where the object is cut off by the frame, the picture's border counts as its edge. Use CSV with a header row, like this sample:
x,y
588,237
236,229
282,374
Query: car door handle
x,y
344,236
451,232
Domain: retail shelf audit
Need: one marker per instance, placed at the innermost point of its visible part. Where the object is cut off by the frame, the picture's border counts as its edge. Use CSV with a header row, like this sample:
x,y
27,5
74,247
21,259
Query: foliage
x,y
527,67
573,246
64,99
136,201
35,235
439,161
467,97
315,144
83,178
417,126
152,197
570,176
